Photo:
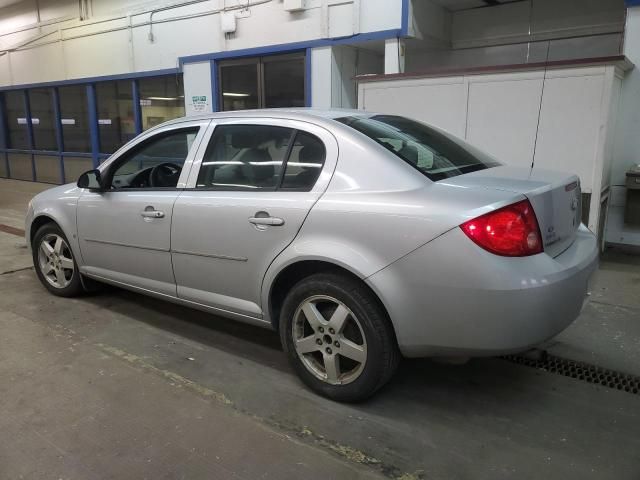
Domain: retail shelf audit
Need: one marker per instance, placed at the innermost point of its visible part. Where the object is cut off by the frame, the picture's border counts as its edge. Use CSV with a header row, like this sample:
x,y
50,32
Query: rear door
x,y
245,202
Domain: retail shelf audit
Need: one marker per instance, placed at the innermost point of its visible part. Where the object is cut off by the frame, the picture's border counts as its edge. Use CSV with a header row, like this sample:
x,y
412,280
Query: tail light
x,y
511,231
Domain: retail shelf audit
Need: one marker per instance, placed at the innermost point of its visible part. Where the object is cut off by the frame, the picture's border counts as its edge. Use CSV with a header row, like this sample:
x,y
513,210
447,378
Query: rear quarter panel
x,y
376,210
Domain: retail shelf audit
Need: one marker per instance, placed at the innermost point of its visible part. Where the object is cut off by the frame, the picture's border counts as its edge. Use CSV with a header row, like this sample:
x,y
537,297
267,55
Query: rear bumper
x,y
450,297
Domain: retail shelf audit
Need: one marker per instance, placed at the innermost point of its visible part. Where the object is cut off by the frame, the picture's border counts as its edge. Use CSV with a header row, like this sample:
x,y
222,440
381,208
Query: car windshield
x,y
433,152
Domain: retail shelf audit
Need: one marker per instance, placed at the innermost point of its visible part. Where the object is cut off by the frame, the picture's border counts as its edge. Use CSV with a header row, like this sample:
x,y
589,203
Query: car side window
x,y
156,163
305,162
244,156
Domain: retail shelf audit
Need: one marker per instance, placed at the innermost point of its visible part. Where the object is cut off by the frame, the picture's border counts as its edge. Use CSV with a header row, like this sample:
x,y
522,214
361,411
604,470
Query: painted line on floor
x,y
12,230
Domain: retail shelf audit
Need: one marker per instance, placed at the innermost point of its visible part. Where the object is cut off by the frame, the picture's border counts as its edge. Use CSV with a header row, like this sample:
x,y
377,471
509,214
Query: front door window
x,y
156,163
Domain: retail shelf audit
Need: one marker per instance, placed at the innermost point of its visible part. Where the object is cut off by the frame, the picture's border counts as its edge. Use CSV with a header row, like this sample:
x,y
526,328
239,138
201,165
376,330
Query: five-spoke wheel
x,y
56,261
338,336
329,340
53,258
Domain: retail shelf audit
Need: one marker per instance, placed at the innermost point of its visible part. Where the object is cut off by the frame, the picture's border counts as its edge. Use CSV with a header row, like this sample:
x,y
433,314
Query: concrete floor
x,y
117,385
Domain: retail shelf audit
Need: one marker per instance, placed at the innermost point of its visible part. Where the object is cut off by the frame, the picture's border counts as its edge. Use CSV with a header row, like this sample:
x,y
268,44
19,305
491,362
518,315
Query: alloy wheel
x,y
329,340
56,261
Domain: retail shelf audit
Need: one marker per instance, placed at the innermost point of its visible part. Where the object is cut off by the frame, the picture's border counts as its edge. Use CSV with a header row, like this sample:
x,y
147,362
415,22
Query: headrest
x,y
409,153
252,168
311,153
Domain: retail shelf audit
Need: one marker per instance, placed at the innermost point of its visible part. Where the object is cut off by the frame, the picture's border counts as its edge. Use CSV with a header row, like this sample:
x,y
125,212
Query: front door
x,y
244,204
125,231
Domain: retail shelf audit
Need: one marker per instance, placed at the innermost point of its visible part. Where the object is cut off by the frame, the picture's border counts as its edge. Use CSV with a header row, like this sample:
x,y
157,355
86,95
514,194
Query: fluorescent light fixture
x,y
231,94
163,99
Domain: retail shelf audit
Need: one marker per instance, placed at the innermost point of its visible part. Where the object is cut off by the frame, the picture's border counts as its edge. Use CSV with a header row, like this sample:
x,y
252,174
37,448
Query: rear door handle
x,y
152,214
272,221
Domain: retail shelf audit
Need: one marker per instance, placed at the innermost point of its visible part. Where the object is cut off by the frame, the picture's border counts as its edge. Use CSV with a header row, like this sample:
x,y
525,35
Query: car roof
x,y
289,113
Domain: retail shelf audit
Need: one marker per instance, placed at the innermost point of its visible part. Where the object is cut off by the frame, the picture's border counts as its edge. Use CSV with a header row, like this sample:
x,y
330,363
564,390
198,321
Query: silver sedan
x,y
360,237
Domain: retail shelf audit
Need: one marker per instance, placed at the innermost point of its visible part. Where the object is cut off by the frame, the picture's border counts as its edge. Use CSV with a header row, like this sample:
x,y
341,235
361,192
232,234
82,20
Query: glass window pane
x,y
433,152
168,152
161,99
305,162
245,156
239,86
74,167
115,114
75,118
284,83
16,120
47,168
20,166
44,133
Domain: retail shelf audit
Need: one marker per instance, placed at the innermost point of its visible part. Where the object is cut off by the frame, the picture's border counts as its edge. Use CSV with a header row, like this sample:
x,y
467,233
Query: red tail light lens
x,y
511,231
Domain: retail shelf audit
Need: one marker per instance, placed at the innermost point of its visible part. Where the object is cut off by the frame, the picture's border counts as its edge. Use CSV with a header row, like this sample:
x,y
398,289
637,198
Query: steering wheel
x,y
164,175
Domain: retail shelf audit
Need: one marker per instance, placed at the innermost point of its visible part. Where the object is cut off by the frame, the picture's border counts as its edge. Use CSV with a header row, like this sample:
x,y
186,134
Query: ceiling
x,y
455,5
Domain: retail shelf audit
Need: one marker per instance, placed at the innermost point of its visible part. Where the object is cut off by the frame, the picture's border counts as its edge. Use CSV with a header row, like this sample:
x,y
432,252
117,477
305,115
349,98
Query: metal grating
x,y
580,371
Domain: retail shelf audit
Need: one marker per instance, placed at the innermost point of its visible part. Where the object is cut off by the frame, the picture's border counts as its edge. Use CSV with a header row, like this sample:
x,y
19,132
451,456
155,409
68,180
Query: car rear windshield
x,y
433,152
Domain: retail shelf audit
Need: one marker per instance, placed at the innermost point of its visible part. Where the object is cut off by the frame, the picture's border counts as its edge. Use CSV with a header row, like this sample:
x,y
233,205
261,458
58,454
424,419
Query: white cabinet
x,y
561,118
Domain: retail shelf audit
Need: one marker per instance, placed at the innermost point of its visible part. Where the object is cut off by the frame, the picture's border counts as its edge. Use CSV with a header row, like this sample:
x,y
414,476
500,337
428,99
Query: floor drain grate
x,y
580,371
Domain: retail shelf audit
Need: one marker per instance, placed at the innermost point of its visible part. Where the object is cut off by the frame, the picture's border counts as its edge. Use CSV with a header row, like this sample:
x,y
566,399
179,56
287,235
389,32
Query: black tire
x,y
74,287
382,354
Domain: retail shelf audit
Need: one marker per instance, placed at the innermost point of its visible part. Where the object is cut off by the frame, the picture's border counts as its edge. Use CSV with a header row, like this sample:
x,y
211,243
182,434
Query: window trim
x,y
285,162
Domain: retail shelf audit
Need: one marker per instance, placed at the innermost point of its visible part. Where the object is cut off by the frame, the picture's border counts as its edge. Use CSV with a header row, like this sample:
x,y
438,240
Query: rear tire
x,y
337,337
54,262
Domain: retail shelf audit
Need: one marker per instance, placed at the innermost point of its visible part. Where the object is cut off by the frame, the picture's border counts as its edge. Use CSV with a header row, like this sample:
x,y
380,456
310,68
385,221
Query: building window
x,y
239,81
283,81
161,99
116,122
42,119
16,117
74,118
262,82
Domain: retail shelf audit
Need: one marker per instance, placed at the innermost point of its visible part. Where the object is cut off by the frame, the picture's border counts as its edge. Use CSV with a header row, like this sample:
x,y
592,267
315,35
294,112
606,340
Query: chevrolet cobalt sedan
x,y
359,237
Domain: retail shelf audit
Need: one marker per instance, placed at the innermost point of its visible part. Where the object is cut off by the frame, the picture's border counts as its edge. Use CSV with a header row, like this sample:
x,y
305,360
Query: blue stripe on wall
x,y
137,110
93,124
215,101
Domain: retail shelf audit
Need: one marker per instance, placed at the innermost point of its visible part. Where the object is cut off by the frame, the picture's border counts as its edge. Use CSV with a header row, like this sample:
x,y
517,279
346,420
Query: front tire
x,y
54,262
337,337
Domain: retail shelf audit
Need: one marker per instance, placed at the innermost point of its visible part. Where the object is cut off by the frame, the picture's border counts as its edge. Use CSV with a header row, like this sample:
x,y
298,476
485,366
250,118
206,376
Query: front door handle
x,y
266,220
152,214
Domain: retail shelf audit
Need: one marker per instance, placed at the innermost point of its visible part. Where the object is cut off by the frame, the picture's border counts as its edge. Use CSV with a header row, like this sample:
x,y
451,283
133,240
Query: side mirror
x,y
91,180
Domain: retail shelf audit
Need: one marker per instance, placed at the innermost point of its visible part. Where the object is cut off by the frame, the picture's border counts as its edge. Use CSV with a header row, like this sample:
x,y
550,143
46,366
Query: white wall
x,y
333,71
197,83
107,44
626,145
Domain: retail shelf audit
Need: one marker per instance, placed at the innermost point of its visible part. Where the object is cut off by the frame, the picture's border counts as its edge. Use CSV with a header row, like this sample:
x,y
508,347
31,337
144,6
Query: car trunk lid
x,y
555,197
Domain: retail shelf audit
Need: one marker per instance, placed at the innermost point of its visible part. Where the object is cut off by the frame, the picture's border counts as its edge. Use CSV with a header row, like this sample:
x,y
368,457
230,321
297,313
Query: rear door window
x,y
305,163
261,157
245,156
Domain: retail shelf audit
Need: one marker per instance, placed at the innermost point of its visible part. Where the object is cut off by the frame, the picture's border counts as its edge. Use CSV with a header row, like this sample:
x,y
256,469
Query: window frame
x,y
325,137
260,62
122,155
